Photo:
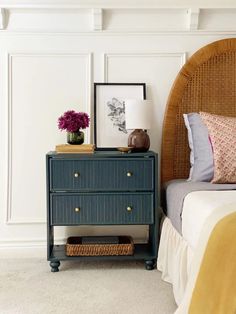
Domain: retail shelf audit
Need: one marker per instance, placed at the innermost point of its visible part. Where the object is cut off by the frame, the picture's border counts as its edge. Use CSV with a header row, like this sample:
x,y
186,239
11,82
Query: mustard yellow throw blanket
x,y
212,286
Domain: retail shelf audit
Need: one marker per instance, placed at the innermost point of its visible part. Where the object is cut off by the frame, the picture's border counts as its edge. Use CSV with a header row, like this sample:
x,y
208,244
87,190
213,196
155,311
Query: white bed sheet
x,y
197,207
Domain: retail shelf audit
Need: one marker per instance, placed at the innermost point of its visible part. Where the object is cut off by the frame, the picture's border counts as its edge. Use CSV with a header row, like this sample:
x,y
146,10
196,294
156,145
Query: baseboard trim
x,y
36,248
23,252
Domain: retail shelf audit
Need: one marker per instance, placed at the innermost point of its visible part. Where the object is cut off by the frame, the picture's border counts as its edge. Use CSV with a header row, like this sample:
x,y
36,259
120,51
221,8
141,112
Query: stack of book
x,y
76,149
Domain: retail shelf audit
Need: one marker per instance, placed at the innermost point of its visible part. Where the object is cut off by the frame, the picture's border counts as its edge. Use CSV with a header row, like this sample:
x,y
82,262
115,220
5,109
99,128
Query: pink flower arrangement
x,y
72,121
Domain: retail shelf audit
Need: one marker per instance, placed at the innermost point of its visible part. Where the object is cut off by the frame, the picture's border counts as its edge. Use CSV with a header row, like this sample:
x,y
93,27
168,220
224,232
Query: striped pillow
x,y
222,131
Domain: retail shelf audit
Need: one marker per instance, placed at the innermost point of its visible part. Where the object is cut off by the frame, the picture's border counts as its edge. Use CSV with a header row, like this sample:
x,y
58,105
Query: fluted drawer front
x,y
102,209
101,175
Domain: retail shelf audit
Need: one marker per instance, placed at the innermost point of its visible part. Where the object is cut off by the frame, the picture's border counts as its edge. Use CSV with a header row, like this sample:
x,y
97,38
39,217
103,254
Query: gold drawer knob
x,y
129,174
129,208
76,174
77,209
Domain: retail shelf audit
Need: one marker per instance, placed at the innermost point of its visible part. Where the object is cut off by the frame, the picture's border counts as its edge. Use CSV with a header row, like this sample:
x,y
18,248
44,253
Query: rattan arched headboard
x,y
207,82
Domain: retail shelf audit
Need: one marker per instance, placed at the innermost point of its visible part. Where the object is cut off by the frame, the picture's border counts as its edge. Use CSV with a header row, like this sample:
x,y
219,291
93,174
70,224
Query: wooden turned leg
x,y
54,266
150,264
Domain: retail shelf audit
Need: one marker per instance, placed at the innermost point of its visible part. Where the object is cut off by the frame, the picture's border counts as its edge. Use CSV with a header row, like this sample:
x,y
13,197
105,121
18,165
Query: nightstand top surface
x,y
101,154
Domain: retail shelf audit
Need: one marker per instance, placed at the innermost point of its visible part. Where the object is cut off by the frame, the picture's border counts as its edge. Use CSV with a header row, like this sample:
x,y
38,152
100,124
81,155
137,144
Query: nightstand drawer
x,y
101,175
125,208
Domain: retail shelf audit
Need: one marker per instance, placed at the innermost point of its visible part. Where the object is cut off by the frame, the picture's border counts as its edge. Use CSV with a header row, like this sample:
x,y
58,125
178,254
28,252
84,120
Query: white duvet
x,y
197,207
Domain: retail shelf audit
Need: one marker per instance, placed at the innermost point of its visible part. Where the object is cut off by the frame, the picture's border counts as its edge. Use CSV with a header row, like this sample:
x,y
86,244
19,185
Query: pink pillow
x,y
222,132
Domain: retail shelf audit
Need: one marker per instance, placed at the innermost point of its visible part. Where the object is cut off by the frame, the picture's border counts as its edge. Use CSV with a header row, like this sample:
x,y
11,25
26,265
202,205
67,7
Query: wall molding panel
x,y
148,67
11,217
109,56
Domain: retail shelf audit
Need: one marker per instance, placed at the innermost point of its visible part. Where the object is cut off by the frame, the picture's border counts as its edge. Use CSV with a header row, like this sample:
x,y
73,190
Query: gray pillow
x,y
201,156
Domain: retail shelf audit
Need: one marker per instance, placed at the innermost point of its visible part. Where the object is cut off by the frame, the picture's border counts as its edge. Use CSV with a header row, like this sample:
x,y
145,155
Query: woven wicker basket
x,y
74,247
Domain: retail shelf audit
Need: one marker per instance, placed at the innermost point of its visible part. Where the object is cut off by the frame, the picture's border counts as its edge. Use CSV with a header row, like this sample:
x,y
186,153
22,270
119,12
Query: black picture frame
x,y
109,98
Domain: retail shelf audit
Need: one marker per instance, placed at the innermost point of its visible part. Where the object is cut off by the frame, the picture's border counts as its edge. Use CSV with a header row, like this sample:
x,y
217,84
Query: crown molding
x,y
115,4
97,19
100,17
193,18
2,18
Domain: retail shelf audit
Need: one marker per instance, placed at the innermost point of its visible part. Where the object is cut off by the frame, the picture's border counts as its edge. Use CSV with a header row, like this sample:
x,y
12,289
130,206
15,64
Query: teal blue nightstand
x,y
109,188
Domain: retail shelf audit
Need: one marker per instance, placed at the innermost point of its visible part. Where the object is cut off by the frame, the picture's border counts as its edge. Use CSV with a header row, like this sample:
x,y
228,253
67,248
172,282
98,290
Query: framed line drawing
x,y
109,113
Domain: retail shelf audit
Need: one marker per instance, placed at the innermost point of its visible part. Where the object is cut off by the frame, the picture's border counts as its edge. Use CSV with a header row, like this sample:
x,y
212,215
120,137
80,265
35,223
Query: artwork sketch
x,y
109,112
116,113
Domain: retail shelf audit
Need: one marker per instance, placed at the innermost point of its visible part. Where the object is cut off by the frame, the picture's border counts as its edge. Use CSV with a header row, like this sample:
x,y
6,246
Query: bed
x,y
194,211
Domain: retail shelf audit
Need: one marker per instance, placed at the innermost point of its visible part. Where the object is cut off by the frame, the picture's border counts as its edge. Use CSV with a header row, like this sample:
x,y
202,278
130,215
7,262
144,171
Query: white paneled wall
x,y
50,55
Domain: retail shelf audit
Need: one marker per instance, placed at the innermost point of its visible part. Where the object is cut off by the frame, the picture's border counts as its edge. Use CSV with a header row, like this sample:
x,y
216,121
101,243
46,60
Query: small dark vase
x,y
75,138
139,141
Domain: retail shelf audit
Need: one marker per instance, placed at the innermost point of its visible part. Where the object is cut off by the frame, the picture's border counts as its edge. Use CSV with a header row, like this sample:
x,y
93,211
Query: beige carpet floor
x,y
27,286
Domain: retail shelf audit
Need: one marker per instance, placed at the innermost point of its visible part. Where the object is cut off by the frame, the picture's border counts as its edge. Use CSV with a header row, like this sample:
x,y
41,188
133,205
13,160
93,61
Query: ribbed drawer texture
x,y
103,208
101,175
